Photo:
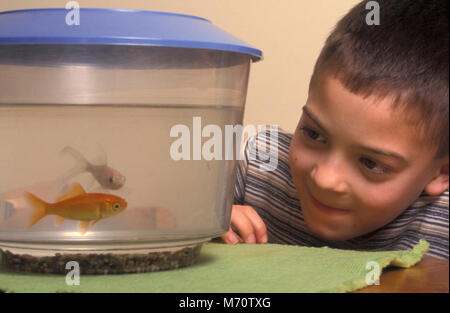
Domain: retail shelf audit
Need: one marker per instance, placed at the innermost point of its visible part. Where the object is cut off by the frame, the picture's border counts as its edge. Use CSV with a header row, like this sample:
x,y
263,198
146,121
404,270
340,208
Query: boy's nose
x,y
329,174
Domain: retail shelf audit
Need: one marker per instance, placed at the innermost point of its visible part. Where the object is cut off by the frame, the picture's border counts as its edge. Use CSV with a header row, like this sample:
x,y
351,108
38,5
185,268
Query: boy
x,y
368,165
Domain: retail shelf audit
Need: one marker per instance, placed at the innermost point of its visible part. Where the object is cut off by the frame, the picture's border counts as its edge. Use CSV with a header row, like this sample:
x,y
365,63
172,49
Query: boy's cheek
x,y
298,157
380,207
297,168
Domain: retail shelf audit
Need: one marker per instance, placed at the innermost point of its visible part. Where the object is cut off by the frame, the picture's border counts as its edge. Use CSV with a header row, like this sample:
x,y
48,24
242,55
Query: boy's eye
x,y
312,134
373,166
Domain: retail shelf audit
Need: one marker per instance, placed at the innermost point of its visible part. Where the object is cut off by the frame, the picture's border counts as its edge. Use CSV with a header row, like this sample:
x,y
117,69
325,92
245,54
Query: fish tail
x,y
79,158
81,166
39,208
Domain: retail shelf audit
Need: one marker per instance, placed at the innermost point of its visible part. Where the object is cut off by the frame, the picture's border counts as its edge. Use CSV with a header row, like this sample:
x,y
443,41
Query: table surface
x,y
430,275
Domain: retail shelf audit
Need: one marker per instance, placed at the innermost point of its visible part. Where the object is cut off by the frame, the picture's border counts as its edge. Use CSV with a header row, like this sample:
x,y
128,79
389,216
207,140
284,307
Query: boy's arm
x,y
248,224
241,175
244,218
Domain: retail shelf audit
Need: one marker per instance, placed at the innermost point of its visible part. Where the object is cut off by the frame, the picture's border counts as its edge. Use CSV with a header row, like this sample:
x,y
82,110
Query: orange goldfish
x,y
76,204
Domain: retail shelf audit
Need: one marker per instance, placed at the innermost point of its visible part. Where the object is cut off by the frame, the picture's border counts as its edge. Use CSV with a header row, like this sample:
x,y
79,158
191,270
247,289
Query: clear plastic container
x,y
102,123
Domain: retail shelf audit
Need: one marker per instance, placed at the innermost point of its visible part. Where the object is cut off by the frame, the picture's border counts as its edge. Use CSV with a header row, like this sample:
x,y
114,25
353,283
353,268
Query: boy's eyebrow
x,y
312,118
386,153
377,151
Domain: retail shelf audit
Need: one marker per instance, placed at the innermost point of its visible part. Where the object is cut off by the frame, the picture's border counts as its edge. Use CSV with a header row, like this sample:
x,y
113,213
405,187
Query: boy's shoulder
x,y
267,151
268,139
264,175
426,218
264,166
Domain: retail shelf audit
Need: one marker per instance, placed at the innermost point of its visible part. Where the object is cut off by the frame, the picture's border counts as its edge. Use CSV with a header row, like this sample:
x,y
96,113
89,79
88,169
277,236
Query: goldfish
x,y
78,205
106,176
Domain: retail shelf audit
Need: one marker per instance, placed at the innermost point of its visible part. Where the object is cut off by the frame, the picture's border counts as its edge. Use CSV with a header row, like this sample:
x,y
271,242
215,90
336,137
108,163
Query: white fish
x,y
106,176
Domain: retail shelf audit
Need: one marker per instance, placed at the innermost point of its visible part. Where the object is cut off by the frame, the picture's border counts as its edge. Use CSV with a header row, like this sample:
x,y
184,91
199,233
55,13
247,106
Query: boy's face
x,y
355,163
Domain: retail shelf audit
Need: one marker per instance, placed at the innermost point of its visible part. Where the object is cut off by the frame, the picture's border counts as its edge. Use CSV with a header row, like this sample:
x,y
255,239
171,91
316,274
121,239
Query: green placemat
x,y
238,268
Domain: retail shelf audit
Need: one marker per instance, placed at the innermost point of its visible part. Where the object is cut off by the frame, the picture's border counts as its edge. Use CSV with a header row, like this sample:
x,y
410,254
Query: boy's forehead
x,y
382,112
331,90
331,93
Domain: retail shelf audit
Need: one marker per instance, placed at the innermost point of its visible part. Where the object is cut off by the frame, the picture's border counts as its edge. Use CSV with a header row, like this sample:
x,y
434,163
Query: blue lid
x,y
118,27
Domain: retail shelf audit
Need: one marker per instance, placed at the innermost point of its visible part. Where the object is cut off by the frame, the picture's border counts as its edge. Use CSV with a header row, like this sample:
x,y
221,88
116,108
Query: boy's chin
x,y
329,234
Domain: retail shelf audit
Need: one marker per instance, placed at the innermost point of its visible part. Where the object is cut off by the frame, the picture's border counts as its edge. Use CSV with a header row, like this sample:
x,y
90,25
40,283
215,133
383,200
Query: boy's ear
x,y
440,182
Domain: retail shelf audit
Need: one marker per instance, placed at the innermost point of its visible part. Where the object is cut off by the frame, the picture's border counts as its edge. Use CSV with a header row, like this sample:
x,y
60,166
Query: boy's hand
x,y
249,225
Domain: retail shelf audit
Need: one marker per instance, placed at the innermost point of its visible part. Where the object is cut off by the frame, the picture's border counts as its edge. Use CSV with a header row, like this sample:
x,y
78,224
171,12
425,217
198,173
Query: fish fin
x,y
75,190
81,163
95,222
39,208
83,227
59,220
75,154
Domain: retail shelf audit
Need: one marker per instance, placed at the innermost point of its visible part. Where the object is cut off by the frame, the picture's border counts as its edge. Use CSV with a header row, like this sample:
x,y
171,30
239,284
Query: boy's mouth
x,y
327,209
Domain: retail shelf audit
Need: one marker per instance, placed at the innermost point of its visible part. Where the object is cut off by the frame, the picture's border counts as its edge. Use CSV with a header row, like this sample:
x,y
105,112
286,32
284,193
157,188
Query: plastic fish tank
x,y
113,136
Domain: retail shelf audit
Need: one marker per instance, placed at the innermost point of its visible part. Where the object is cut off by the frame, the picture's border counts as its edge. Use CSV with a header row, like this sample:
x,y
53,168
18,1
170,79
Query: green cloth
x,y
236,268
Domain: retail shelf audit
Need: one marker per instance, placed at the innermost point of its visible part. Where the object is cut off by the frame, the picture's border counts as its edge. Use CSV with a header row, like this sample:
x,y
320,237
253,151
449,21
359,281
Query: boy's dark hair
x,y
406,56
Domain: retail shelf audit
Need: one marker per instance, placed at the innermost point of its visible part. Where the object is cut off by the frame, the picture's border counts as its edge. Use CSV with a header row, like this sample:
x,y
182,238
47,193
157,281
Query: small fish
x,y
106,176
76,204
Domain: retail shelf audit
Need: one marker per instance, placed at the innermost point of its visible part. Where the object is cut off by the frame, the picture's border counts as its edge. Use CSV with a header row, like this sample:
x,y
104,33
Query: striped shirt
x,y
274,197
